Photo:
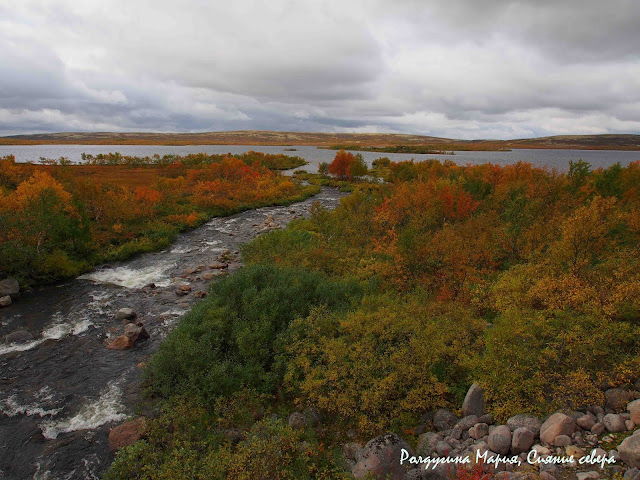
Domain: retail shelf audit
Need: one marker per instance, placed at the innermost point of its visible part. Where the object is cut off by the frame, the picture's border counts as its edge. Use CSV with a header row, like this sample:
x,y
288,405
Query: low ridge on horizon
x,y
272,137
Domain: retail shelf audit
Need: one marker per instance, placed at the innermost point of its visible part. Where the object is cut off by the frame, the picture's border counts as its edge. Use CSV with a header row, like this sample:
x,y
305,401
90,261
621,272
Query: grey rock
x,y
588,475
586,421
598,428
380,458
5,301
19,336
444,420
546,476
467,422
526,421
135,331
630,425
486,418
427,443
352,450
296,420
474,401
614,423
478,431
10,287
443,448
616,399
522,440
631,474
312,417
500,440
562,441
629,451
634,410
125,314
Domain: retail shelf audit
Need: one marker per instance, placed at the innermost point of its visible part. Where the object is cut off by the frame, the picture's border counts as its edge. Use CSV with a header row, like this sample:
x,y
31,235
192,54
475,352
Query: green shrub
x,y
236,337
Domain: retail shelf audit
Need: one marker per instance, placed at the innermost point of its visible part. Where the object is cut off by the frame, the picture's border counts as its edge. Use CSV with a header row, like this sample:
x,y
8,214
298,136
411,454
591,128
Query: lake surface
x,y
558,159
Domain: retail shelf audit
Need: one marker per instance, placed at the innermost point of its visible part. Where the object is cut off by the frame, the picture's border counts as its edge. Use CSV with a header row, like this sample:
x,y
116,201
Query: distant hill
x,y
258,137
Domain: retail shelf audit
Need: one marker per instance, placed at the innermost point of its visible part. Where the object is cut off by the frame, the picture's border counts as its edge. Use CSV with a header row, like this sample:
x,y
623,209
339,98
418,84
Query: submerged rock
x,y
9,287
19,336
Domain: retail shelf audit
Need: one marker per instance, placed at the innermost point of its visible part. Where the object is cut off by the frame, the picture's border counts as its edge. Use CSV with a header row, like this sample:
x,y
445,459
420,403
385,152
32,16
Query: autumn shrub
x,y
540,361
385,364
189,440
237,336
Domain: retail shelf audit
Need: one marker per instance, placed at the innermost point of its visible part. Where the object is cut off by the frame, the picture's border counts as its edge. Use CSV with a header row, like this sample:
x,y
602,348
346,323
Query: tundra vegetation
x,y
58,219
523,279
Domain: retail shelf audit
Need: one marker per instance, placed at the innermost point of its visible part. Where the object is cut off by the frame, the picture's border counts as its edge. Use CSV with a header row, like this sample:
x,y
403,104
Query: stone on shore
x,y
10,287
473,402
125,314
5,301
126,434
380,458
556,424
629,451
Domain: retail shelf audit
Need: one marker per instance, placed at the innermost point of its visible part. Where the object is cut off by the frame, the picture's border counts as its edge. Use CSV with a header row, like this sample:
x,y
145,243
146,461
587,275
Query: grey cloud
x,y
464,68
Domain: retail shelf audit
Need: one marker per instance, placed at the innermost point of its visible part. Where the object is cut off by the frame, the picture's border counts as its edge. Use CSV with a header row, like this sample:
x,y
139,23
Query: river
x,y
62,392
558,159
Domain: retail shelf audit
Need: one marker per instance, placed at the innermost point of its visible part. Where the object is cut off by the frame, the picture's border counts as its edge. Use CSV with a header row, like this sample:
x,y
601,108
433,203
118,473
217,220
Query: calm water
x,y
558,159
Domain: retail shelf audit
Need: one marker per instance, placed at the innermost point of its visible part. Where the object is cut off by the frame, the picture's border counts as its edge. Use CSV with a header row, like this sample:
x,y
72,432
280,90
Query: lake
x,y
558,159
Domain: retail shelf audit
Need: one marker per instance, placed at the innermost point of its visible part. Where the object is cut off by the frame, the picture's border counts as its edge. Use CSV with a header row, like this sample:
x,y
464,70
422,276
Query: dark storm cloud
x,y
469,69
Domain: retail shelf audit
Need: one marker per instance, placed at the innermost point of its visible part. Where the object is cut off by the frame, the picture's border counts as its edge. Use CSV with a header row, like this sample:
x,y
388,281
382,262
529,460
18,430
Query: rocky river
x,y
63,390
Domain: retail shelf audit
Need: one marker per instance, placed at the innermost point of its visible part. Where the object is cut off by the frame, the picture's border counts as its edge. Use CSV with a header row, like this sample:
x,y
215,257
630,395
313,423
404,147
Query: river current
x,y
62,392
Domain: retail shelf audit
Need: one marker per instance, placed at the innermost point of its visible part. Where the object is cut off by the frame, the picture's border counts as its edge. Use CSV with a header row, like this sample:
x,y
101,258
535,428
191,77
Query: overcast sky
x,y
454,68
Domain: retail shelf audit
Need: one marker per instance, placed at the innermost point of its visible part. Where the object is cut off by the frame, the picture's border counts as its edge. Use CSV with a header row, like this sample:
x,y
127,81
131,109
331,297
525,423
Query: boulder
x,y
125,314
586,422
588,475
634,410
629,451
526,421
312,417
614,423
478,431
218,266
616,399
562,441
522,440
597,428
444,420
121,343
473,402
630,425
500,440
9,287
427,443
556,424
296,420
126,434
467,422
574,451
380,458
352,451
136,331
546,476
5,301
19,336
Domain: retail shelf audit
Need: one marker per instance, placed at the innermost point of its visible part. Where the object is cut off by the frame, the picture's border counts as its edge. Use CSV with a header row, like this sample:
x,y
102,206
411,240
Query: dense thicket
x,y
58,220
523,279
